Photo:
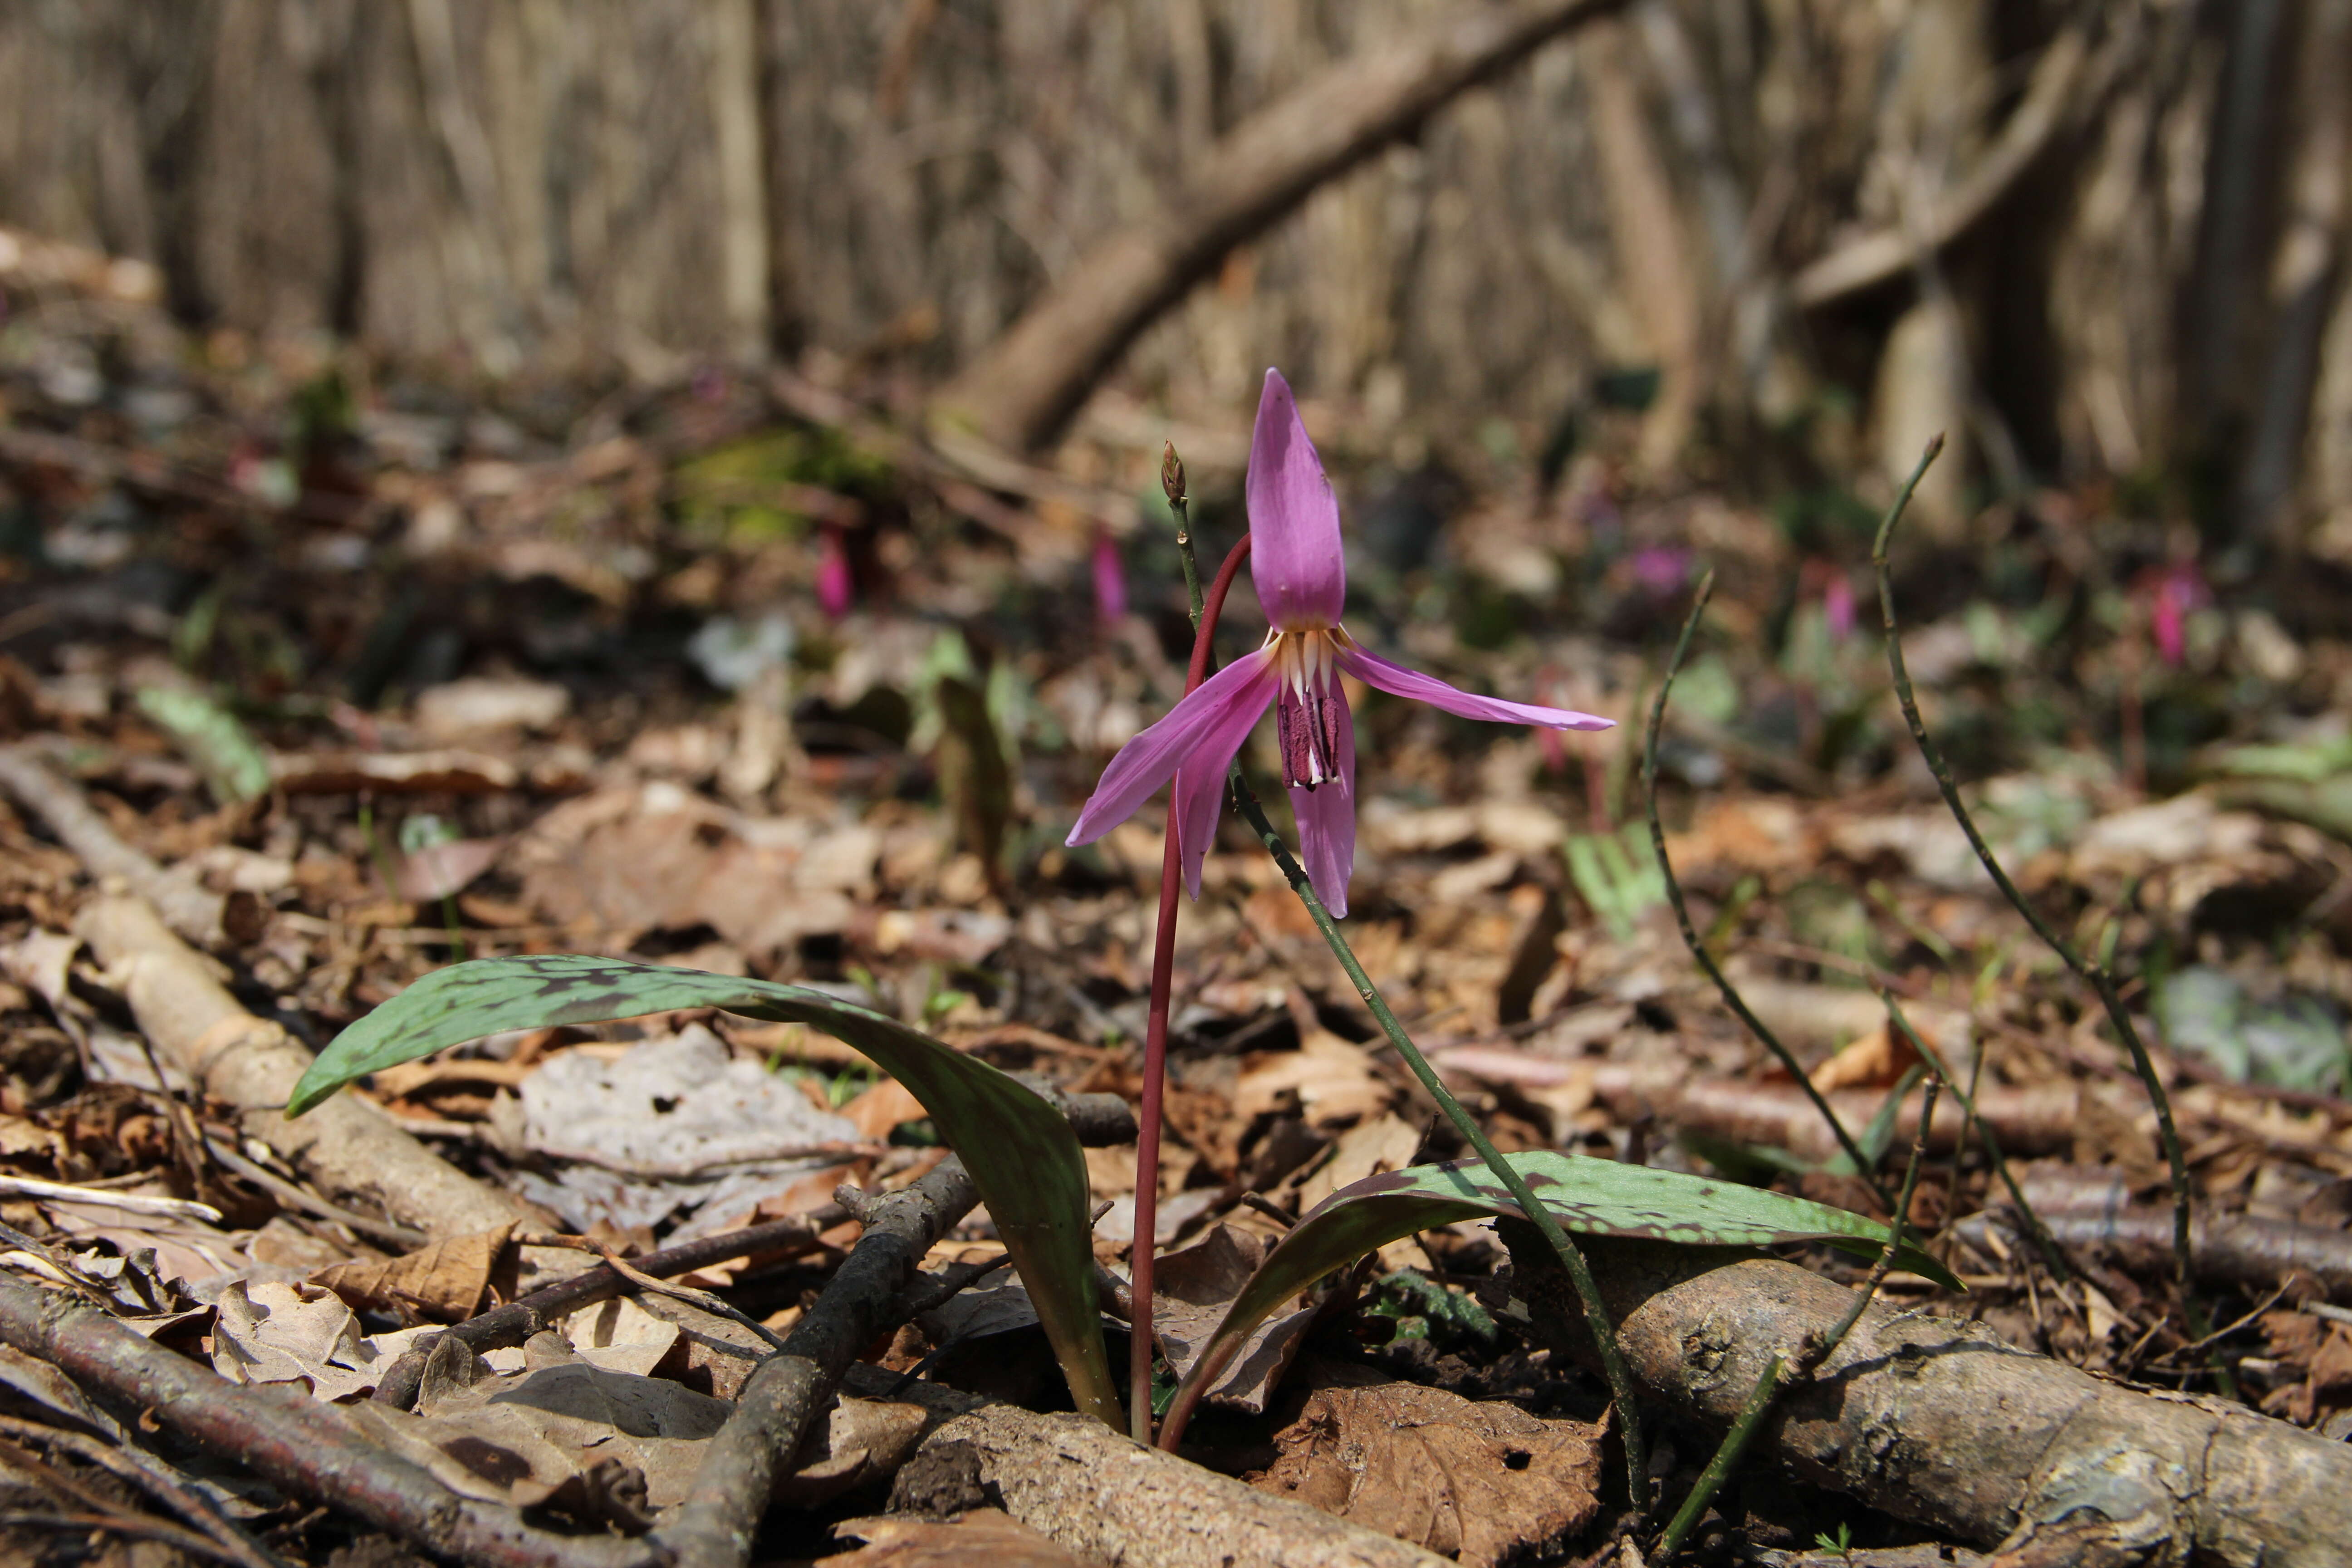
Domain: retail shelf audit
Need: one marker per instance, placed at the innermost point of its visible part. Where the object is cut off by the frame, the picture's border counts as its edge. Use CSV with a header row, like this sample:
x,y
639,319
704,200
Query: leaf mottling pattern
x,y
1023,1156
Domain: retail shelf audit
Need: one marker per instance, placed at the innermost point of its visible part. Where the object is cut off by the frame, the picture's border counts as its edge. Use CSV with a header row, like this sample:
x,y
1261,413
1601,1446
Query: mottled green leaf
x,y
1588,1197
1023,1156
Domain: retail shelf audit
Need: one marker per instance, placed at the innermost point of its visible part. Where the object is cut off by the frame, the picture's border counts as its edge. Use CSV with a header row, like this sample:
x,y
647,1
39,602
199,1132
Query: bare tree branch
x,y
1023,389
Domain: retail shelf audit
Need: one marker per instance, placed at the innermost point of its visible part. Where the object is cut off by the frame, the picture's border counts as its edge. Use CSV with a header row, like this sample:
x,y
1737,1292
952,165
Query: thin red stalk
x,y
1155,1042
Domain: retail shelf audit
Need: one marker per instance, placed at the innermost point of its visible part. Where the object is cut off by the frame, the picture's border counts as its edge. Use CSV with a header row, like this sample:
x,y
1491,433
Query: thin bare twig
x,y
157,1481
1705,960
2043,1241
1781,1372
2092,972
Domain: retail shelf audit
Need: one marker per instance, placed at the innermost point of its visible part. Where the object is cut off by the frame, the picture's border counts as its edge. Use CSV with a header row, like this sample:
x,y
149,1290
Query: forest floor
x,y
394,677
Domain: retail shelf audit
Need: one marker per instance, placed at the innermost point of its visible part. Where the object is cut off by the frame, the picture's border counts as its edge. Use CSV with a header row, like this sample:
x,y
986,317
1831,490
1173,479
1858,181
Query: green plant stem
x,y
1862,1167
1781,1372
1579,1273
2044,1242
1141,1256
2094,975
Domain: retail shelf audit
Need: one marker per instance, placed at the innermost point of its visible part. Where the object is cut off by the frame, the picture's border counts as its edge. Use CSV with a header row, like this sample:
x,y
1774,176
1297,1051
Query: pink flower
x,y
2175,591
1111,578
1837,604
835,589
1302,581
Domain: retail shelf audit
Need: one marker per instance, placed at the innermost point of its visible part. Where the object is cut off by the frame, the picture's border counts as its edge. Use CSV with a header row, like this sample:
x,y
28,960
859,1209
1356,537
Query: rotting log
x,y
349,1148
1937,1421
1025,386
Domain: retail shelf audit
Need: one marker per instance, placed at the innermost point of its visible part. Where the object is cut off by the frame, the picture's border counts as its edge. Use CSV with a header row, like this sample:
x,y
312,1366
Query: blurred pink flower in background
x,y
835,589
1111,578
2172,592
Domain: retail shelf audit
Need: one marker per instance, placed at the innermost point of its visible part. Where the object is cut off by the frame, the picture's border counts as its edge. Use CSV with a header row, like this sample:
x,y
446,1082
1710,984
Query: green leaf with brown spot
x,y
1023,1156
1588,1197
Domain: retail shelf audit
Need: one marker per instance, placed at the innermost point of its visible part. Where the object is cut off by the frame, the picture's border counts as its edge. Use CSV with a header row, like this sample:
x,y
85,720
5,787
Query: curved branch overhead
x,y
2052,100
1023,389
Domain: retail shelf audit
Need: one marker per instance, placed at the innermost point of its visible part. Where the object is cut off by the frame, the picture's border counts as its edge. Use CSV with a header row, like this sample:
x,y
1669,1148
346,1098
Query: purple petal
x,y
1201,778
1235,694
1294,555
1399,682
1327,821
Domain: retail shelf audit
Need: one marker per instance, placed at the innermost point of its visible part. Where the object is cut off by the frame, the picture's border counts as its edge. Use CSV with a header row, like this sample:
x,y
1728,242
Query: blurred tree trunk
x,y
2106,239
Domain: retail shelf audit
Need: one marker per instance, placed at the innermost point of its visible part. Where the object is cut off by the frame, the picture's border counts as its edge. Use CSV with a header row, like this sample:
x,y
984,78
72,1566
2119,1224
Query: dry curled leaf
x,y
1481,1482
444,1281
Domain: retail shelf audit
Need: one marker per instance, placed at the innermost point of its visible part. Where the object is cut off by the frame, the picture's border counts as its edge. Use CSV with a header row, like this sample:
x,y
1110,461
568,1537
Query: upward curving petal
x,y
1294,519
1235,694
1201,777
1399,682
1327,818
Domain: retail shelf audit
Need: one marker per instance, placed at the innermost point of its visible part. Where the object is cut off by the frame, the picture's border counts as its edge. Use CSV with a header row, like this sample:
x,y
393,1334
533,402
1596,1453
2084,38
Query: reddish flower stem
x,y
1155,1040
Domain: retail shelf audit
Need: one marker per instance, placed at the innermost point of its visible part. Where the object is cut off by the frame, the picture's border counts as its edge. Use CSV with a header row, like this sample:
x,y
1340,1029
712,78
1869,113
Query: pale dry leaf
x,y
1333,1081
620,1335
1385,1143
1481,1482
273,1332
532,1437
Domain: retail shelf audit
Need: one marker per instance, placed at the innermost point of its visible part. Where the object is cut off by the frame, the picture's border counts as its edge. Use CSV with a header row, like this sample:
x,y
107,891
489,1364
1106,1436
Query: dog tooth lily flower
x,y
1302,581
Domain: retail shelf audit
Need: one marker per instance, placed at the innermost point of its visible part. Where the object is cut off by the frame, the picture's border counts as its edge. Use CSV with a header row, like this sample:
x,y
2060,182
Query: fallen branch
x,y
1024,388
1938,1422
105,1199
302,1447
156,1480
2052,102
714,1526
2223,1249
209,919
2043,1120
1091,1490
348,1147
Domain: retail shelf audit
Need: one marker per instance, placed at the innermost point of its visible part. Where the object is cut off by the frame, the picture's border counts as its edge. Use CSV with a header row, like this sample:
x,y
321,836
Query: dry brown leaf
x,y
1333,1081
1875,1060
1193,1288
1383,1142
268,1333
882,1106
444,1281
1481,1482
989,1537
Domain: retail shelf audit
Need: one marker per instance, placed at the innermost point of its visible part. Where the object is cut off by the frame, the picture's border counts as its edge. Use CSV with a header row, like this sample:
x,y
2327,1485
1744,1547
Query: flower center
x,y
1309,705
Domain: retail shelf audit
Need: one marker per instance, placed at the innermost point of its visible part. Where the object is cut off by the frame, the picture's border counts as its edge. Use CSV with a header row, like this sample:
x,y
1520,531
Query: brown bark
x,y
1940,1422
1091,1490
349,1148
1023,389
